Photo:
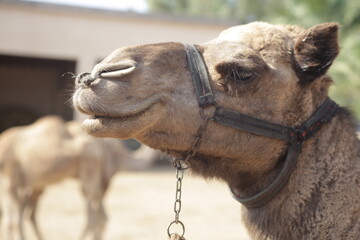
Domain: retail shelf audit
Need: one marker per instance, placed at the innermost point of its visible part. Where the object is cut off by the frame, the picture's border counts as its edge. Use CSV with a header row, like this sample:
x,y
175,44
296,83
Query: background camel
x,y
34,156
269,72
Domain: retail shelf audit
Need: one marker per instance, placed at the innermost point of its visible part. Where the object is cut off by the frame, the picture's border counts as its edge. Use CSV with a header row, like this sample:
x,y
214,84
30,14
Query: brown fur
x,y
34,156
275,73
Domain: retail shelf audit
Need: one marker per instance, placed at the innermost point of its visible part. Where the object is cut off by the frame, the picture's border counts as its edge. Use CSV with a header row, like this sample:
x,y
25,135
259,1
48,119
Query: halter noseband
x,y
294,135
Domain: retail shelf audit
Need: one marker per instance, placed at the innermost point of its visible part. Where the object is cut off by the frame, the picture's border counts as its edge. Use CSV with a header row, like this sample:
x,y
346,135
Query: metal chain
x,y
177,204
181,165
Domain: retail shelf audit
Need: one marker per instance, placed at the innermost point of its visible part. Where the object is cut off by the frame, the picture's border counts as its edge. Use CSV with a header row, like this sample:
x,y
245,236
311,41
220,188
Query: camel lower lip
x,y
94,119
102,122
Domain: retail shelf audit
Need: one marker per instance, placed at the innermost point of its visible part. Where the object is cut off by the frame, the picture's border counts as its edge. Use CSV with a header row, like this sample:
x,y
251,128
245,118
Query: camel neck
x,y
319,184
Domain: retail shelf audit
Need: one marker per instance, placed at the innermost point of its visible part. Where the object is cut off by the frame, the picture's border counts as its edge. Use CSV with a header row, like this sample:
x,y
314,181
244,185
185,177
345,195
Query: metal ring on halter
x,y
176,222
180,163
204,116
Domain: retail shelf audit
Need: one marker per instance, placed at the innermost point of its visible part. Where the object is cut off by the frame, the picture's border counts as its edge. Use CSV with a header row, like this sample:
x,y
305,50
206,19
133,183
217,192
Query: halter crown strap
x,y
294,135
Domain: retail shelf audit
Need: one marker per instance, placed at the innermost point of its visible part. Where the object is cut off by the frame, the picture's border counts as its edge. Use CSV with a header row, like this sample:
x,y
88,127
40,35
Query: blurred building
x,y
42,45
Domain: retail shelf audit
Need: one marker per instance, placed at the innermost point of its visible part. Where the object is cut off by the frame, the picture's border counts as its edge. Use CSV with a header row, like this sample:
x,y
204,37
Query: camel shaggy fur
x,y
35,156
275,73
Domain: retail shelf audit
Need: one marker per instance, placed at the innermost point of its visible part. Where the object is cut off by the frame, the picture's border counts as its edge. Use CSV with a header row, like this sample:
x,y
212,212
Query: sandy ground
x,y
140,206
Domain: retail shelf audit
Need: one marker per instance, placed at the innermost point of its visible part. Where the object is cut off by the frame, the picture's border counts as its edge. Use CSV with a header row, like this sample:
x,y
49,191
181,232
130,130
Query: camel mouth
x,y
108,119
123,117
119,125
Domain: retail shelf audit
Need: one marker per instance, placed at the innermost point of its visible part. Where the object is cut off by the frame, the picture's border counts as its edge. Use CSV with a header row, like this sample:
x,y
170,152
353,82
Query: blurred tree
x,y
347,12
306,13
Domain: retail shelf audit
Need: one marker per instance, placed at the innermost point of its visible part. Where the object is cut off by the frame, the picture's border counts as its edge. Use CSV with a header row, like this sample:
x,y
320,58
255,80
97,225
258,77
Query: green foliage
x,y
306,13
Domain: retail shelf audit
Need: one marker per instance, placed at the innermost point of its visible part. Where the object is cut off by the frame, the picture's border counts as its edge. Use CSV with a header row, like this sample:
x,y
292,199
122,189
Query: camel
x,y
50,150
252,108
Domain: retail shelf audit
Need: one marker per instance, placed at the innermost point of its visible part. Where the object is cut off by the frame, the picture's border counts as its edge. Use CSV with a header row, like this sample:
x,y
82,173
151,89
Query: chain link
x,y
181,165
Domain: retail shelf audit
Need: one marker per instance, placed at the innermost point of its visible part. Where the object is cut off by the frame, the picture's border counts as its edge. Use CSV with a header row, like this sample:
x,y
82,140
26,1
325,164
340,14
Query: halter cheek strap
x,y
200,77
228,117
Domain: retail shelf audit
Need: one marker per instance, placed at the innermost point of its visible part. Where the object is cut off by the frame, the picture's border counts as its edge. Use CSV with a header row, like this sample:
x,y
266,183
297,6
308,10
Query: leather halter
x,y
295,136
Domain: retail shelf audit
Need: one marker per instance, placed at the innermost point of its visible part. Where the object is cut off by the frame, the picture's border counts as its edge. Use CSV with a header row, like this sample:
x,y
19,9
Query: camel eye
x,y
244,75
233,73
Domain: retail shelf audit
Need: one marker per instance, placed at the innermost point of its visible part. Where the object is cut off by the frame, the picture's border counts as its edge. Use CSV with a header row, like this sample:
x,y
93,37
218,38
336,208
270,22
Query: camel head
x,y
272,72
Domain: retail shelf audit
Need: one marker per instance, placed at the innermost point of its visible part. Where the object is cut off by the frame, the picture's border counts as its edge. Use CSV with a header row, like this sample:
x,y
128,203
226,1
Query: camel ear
x,y
315,51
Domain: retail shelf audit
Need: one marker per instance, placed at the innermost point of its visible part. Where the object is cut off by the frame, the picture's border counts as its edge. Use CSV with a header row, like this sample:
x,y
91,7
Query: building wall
x,y
86,36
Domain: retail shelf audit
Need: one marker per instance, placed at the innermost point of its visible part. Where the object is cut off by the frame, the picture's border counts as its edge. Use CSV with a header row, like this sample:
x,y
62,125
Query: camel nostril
x,y
118,70
84,79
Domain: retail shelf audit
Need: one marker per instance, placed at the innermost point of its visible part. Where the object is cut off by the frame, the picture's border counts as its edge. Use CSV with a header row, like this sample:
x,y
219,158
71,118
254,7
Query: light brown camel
x,y
35,156
275,76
